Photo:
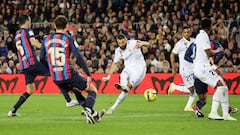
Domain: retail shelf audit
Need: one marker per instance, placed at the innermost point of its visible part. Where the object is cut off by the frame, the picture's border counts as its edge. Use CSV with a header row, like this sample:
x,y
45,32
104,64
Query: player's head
x,y
24,20
186,33
206,24
61,22
122,41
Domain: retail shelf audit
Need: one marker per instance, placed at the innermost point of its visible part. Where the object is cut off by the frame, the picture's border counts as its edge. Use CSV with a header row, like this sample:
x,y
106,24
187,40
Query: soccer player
x,y
185,68
134,67
31,67
200,87
205,72
57,49
201,90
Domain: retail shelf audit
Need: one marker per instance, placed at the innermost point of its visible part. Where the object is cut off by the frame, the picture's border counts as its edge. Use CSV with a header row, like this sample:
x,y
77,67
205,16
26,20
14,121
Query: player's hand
x,y
89,81
106,78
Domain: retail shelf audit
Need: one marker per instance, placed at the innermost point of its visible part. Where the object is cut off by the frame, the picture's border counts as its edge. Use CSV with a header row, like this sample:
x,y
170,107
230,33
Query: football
x,y
150,94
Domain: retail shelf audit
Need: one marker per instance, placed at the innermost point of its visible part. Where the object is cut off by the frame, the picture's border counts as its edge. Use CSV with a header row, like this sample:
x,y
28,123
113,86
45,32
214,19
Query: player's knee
x,y
30,88
30,92
92,88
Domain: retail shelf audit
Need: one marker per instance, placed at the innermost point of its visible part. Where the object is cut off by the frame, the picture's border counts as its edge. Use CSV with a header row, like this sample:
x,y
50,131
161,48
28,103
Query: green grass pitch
x,y
46,114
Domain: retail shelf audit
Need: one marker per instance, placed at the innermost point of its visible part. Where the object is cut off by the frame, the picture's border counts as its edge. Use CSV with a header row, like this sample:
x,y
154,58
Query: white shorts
x,y
133,75
207,75
188,79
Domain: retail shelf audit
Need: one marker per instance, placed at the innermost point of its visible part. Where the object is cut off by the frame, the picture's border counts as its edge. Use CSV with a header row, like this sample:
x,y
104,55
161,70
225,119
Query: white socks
x,y
181,88
220,96
224,100
120,98
191,100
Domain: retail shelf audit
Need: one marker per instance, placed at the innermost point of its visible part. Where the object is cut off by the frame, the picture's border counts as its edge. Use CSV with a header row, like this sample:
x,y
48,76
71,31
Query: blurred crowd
x,y
95,24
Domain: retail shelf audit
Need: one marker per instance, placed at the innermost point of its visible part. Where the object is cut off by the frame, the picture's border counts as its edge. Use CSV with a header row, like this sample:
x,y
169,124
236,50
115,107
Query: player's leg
x,y
181,88
208,76
29,78
129,79
124,77
69,101
219,97
224,100
90,114
184,87
201,90
192,96
80,83
189,88
125,87
80,98
45,72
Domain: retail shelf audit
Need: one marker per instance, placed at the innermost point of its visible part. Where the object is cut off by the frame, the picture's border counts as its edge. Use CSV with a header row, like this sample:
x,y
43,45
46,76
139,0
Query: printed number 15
x,y
57,56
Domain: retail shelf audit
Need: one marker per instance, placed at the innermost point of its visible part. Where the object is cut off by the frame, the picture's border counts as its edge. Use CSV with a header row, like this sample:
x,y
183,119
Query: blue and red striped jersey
x,y
26,52
56,49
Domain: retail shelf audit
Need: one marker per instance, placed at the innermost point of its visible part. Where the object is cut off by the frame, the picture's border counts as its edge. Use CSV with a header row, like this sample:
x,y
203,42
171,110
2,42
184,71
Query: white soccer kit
x,y
202,66
134,64
185,67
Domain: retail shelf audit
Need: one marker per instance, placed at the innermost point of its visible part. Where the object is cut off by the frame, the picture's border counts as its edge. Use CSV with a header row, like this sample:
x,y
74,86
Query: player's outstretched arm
x,y
172,59
113,67
80,61
142,43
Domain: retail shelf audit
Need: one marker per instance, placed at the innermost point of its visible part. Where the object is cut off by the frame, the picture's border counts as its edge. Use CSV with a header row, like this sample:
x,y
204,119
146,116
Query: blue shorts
x,y
201,88
76,81
35,70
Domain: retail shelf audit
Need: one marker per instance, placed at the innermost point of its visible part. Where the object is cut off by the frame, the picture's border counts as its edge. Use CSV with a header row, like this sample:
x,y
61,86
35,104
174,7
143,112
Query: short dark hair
x,y
22,19
206,23
121,36
61,22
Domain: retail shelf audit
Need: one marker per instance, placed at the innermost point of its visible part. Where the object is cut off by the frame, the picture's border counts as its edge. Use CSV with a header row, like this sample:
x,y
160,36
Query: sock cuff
x,y
25,95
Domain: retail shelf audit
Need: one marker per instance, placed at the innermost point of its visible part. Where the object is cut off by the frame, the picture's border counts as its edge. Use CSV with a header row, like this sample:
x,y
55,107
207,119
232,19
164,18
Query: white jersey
x,y
202,43
202,67
135,66
180,49
132,55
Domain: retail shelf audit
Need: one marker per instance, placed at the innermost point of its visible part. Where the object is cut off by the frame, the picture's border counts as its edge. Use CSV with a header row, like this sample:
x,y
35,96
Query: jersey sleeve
x,y
117,57
205,42
30,33
175,48
80,60
43,56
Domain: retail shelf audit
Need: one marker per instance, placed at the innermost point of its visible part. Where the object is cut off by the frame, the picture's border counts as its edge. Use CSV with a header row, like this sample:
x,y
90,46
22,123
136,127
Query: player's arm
x,y
80,61
172,60
211,52
112,69
43,56
34,42
140,44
